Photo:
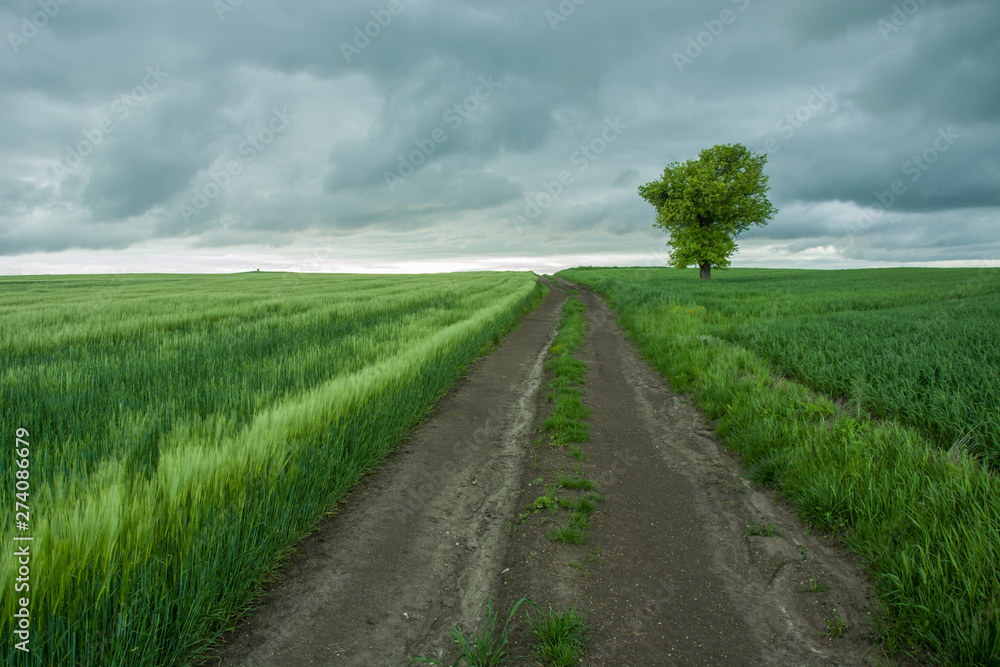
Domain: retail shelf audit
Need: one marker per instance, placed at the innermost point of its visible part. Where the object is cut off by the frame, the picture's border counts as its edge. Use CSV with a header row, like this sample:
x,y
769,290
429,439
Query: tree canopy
x,y
705,204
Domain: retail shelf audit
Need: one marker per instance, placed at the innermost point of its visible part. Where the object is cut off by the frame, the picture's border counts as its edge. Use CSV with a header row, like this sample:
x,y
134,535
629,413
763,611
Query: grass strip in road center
x,y
567,423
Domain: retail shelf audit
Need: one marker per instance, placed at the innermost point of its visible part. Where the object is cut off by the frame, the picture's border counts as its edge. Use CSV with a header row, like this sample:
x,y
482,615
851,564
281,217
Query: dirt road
x,y
668,576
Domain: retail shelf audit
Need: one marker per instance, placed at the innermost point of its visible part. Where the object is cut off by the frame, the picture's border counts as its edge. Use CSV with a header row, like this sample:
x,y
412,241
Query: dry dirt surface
x,y
668,575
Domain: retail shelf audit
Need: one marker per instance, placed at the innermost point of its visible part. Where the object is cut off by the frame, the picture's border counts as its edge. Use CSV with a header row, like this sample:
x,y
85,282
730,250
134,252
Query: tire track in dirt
x,y
417,549
670,576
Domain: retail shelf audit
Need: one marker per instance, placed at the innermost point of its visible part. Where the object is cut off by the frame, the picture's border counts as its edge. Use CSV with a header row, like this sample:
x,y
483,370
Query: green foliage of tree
x,y
705,204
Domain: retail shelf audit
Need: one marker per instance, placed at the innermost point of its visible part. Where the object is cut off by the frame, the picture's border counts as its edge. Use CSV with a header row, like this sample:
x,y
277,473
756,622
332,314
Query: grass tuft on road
x,y
486,648
560,637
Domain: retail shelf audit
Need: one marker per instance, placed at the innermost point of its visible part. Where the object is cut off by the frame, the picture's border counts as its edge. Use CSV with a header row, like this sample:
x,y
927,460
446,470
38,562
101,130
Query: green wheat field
x,y
186,431
888,432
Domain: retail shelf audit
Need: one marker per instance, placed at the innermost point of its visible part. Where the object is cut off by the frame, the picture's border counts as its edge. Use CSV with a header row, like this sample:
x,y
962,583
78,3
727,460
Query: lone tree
x,y
705,204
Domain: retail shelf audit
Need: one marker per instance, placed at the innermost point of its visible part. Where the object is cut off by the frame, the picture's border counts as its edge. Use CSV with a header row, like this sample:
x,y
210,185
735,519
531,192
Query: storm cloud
x,y
318,136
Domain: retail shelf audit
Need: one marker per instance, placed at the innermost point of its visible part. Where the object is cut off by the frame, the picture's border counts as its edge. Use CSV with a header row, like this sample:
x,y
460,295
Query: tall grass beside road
x,y
189,430
921,510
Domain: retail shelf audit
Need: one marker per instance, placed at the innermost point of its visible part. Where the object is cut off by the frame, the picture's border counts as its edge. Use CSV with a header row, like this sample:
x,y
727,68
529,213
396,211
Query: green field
x,y
920,346
186,431
870,399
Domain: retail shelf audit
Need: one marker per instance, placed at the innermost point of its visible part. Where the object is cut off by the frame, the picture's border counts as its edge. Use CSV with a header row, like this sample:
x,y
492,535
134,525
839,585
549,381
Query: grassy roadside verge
x,y
927,522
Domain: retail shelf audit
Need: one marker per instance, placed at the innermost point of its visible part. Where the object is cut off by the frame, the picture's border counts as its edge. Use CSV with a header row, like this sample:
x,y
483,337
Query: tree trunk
x,y
706,271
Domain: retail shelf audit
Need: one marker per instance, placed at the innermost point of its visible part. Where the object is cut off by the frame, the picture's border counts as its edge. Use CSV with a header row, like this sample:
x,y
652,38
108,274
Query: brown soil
x,y
668,575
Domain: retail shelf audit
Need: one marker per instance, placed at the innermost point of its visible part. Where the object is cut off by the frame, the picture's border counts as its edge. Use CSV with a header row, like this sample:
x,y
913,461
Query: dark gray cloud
x,y
948,70
829,20
437,128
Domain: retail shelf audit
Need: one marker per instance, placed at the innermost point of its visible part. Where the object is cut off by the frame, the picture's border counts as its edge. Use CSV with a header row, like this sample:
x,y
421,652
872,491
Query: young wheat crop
x,y
917,348
188,430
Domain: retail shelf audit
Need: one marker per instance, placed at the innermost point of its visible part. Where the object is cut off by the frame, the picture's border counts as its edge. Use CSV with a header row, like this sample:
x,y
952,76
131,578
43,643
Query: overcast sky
x,y
201,135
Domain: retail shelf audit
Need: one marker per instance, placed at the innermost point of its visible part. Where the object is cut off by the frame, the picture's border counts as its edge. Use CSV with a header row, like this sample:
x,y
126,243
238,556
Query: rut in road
x,y
670,577
417,548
